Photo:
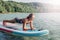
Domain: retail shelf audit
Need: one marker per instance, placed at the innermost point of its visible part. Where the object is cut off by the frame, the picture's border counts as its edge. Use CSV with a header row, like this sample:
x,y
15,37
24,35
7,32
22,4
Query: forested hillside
x,y
11,6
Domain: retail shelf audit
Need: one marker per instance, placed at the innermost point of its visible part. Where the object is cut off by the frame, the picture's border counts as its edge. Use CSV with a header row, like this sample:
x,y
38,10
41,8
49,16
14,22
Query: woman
x,y
27,20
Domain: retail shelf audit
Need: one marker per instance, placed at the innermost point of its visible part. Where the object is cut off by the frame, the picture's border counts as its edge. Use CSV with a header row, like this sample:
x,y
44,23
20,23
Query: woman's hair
x,y
30,16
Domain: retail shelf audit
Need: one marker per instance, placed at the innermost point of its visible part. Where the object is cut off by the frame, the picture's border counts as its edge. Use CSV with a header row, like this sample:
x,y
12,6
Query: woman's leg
x,y
9,21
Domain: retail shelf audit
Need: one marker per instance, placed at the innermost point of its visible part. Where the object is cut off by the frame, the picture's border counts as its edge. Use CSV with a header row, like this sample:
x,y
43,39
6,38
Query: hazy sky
x,y
54,2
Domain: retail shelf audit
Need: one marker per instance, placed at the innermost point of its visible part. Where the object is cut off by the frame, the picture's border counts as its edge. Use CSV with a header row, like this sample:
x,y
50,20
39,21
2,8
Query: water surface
x,y
50,21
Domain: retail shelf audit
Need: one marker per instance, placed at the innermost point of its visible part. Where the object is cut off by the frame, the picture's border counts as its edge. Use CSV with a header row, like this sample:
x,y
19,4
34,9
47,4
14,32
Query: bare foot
x,y
4,24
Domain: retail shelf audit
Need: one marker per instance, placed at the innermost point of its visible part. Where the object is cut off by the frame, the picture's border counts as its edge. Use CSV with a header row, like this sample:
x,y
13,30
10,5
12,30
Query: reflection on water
x,y
50,21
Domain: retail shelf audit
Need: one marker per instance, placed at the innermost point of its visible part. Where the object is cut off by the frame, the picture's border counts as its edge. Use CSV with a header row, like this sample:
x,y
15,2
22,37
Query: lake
x,y
50,21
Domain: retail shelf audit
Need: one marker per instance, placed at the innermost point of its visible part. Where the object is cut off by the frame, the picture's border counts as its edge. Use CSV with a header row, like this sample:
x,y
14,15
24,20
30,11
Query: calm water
x,y
50,21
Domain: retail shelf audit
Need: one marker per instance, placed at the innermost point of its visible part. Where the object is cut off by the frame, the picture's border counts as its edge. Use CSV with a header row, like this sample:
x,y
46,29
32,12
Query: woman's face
x,y
33,16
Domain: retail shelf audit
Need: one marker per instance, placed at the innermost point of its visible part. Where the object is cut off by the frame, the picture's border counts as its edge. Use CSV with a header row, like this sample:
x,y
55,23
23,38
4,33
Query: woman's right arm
x,y
24,24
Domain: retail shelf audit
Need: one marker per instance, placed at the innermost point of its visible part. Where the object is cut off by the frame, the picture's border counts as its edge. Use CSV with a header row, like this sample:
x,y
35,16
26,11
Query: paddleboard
x,y
20,32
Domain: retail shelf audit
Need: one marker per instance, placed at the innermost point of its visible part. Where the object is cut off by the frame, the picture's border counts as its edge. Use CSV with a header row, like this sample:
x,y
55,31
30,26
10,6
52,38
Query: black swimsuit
x,y
19,20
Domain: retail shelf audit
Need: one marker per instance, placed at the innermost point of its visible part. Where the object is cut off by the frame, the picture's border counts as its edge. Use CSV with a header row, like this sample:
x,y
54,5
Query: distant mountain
x,y
37,6
44,7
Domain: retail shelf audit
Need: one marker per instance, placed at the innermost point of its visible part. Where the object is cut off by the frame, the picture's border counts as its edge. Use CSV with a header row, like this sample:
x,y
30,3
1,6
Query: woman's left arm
x,y
31,25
